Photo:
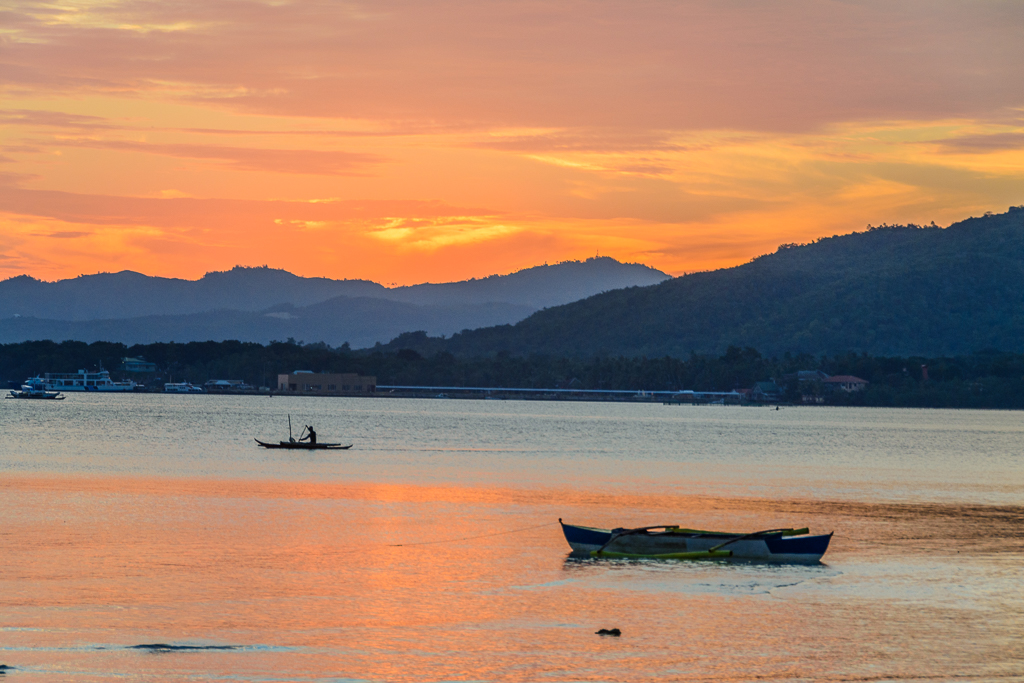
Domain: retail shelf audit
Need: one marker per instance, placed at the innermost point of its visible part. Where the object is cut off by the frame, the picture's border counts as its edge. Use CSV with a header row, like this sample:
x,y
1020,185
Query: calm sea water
x,y
431,552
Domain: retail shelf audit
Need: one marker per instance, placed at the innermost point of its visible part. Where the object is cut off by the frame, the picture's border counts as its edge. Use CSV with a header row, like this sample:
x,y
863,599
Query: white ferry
x,y
182,388
79,381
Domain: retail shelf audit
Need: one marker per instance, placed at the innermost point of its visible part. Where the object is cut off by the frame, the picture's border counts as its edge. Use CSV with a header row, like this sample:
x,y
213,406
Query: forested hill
x,y
891,290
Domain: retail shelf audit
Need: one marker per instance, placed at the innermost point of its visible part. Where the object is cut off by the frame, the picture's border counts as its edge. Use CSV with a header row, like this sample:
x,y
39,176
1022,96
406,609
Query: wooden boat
x,y
304,445
301,445
672,542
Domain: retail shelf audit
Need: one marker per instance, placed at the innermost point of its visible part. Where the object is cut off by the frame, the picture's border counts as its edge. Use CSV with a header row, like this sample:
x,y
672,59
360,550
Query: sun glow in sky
x,y
441,140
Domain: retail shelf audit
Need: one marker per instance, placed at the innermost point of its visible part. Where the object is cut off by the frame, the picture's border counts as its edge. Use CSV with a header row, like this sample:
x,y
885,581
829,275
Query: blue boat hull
x,y
774,547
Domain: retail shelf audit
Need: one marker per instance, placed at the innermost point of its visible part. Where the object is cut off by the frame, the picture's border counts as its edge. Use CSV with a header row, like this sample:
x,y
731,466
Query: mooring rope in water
x,y
470,538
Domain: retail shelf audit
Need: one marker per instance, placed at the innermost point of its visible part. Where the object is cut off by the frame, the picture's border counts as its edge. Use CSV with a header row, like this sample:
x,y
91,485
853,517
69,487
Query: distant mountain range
x,y
892,290
264,304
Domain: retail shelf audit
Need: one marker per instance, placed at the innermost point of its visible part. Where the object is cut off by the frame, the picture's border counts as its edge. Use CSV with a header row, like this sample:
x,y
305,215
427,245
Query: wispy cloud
x,y
481,137
581,141
211,213
995,142
314,162
63,234
628,64
14,179
438,232
54,119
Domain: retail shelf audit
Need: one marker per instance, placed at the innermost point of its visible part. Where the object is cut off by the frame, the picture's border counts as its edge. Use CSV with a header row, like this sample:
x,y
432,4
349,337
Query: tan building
x,y
345,384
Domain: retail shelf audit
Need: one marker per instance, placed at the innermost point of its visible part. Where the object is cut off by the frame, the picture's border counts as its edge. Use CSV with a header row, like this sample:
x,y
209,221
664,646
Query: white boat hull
x,y
83,381
106,389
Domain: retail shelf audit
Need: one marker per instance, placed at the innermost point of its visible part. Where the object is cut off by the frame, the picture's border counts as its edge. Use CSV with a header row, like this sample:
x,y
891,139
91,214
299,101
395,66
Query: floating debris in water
x,y
609,632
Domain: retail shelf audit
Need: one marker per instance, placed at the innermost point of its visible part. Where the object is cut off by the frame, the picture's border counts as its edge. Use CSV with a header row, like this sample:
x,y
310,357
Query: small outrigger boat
x,y
301,444
671,542
304,445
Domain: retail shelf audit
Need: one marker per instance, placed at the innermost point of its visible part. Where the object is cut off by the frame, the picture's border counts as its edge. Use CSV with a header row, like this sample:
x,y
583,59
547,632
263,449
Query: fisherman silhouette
x,y
312,435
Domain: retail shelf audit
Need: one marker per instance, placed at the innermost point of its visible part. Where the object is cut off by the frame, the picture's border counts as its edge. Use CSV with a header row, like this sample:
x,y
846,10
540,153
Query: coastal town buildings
x,y
342,384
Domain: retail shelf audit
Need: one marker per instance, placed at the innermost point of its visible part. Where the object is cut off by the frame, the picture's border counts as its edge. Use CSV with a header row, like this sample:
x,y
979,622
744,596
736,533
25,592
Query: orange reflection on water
x,y
307,579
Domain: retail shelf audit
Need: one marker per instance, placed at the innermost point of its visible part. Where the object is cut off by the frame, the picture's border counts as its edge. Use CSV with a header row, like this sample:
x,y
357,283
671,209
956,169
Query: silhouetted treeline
x,y
983,380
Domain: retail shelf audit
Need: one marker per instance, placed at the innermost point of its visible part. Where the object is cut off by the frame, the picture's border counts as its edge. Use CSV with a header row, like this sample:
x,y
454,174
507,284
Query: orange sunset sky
x,y
405,142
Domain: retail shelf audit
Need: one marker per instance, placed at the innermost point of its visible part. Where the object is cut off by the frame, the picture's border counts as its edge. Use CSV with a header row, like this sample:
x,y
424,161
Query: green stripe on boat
x,y
696,555
679,530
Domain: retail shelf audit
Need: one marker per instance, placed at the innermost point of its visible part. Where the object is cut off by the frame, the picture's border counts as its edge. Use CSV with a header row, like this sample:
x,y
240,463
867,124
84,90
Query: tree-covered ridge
x,y
983,380
893,290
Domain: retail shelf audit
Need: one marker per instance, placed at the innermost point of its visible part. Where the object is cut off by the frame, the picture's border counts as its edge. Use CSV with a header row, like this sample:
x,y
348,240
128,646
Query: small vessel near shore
x,y
305,442
671,542
304,445
29,392
83,380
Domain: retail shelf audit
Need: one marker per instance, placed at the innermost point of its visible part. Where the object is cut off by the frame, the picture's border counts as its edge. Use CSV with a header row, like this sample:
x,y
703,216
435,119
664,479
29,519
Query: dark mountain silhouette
x,y
129,295
891,290
537,287
360,321
263,304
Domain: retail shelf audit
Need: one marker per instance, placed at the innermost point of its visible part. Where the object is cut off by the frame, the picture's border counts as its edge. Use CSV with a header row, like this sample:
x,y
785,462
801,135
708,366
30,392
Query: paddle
x,y
740,538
